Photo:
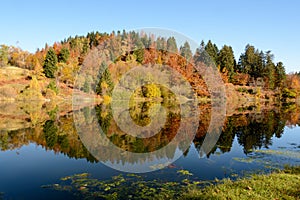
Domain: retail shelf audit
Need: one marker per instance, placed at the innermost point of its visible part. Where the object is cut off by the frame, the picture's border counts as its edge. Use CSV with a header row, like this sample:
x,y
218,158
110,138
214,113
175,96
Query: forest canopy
x,y
63,60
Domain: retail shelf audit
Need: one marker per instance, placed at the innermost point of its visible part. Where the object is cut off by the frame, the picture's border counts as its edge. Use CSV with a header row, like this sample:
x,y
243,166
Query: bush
x,y
151,91
32,92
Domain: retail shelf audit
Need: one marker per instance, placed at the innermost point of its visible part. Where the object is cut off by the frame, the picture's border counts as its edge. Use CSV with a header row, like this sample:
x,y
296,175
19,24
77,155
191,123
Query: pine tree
x,y
171,45
86,86
64,55
50,133
185,51
226,60
50,64
202,44
280,75
161,43
139,51
212,51
3,55
269,71
105,85
252,62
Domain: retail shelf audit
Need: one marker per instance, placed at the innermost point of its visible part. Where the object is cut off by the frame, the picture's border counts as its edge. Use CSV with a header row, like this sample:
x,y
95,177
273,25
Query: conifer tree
x,y
50,64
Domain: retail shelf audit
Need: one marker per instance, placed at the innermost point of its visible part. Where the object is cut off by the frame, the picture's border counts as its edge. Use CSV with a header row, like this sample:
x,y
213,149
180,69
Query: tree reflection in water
x,y
253,130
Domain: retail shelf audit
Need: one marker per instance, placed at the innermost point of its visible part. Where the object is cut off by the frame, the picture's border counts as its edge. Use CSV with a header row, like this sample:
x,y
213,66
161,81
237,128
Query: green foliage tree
x,y
139,51
171,45
50,64
64,55
202,56
105,85
50,133
252,62
146,41
161,43
280,75
93,39
226,60
185,51
269,70
86,86
3,55
52,86
212,51
202,44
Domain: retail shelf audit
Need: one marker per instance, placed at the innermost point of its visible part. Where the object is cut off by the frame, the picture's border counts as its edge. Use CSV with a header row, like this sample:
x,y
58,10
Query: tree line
x,y
63,60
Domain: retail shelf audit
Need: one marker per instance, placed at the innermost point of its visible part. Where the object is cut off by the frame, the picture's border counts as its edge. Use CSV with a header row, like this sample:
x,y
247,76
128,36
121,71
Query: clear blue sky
x,y
266,24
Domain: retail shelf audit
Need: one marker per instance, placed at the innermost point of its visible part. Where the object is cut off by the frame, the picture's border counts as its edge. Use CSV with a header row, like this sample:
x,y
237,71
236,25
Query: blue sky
x,y
266,24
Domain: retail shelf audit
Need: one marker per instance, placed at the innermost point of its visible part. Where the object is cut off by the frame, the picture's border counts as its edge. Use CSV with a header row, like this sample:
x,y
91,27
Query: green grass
x,y
278,185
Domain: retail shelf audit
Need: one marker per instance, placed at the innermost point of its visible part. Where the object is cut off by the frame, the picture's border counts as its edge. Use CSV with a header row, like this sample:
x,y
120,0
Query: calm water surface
x,y
38,154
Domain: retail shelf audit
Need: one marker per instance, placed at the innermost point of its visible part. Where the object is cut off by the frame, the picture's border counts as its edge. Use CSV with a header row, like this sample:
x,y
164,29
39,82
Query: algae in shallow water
x,y
290,154
244,160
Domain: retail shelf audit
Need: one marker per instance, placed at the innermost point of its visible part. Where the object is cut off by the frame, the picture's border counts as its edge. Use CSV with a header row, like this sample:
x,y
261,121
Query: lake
x,y
40,144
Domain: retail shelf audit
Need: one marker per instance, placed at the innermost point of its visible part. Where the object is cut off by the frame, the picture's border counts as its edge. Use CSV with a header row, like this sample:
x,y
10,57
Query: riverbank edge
x,y
280,184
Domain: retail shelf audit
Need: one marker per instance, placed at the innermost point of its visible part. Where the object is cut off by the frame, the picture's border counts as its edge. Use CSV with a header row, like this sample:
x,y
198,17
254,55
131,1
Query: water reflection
x,y
46,126
53,128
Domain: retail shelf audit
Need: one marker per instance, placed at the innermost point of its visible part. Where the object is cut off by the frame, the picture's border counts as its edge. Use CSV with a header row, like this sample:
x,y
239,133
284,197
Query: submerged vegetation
x,y
280,184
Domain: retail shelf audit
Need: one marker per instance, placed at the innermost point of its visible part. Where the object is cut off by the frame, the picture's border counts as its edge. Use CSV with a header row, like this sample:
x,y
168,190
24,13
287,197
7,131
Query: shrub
x,y
151,91
31,92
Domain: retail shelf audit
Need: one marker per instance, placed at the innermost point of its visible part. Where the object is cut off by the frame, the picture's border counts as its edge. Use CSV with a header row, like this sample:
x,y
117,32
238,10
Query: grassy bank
x,y
278,185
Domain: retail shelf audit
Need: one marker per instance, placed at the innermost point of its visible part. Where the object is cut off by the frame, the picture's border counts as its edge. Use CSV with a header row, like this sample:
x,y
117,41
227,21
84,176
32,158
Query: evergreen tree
x,y
93,39
146,41
246,59
202,44
252,62
50,133
269,71
212,51
50,64
201,56
185,51
3,55
161,43
64,55
280,75
171,45
52,86
86,86
226,60
139,51
105,85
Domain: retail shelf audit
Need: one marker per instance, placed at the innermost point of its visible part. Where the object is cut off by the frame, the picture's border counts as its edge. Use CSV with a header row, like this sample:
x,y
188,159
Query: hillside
x,y
91,65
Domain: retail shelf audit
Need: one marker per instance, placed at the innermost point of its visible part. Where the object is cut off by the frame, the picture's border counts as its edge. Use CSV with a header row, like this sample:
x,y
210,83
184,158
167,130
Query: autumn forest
x,y
50,72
